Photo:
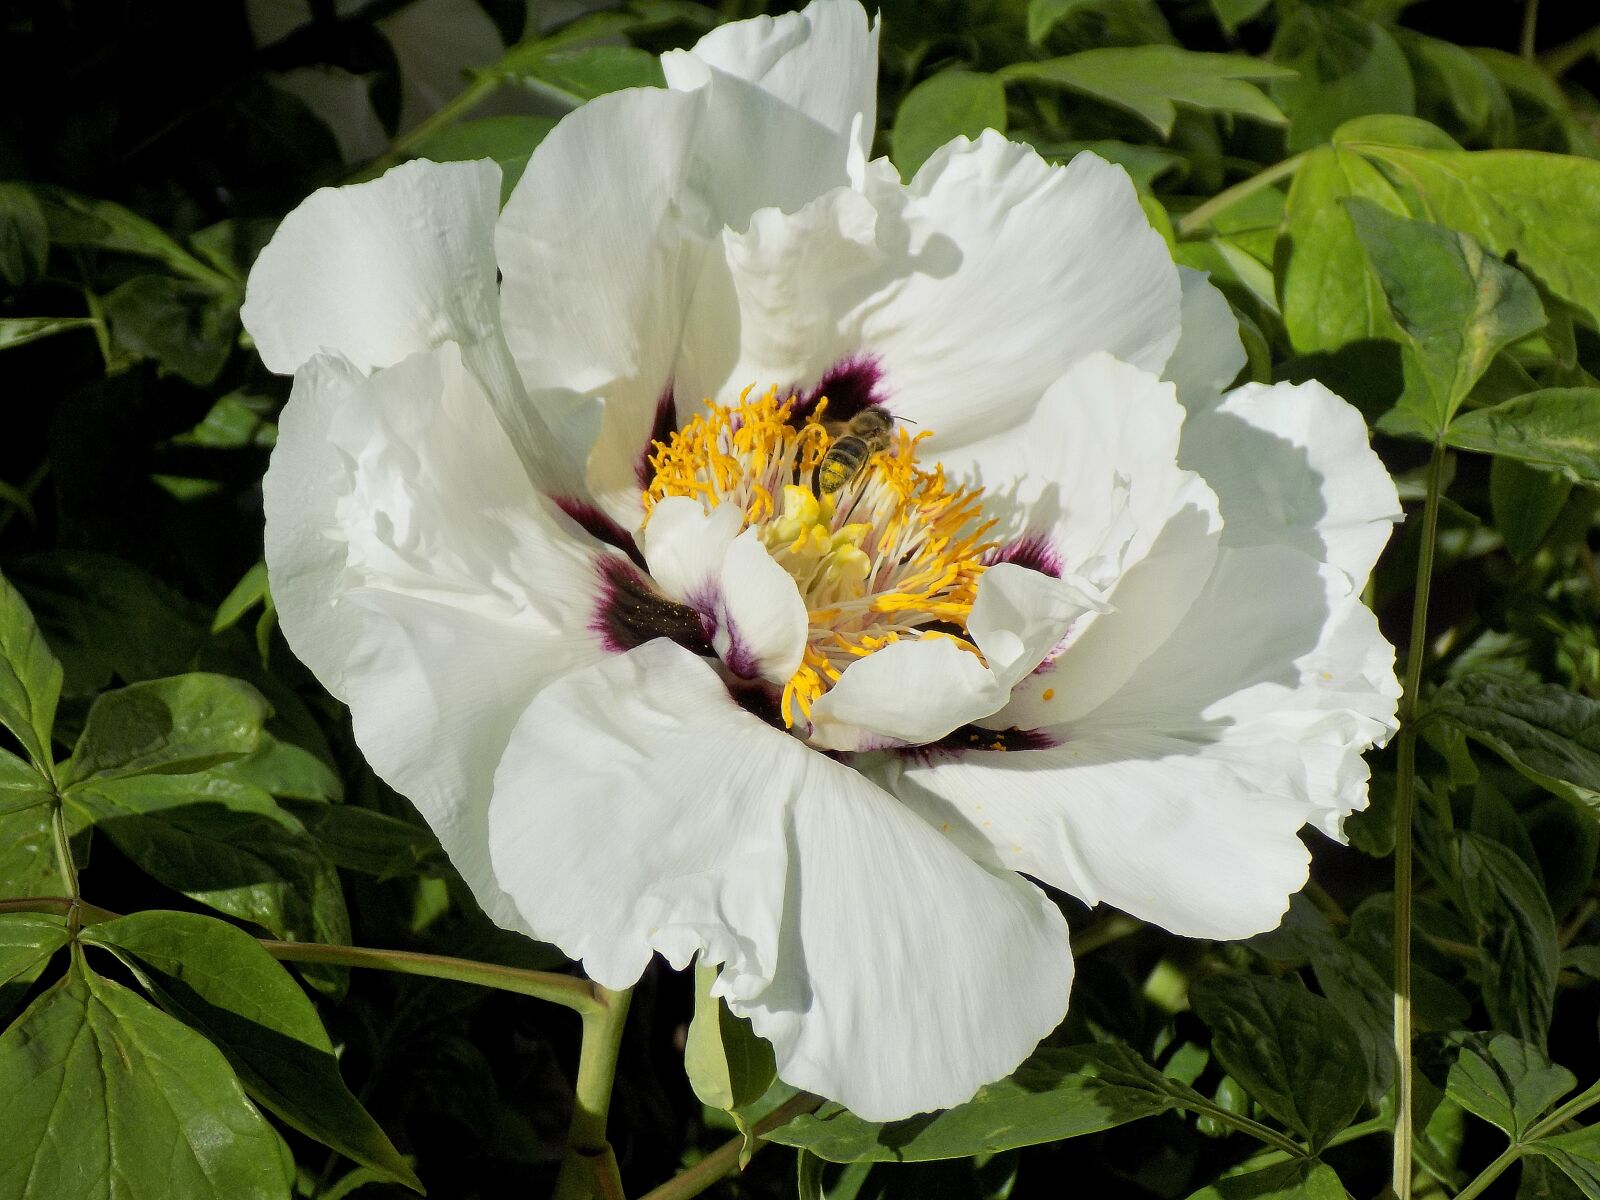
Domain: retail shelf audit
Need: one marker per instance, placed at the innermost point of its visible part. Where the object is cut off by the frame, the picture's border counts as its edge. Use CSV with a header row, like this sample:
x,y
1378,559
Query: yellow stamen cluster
x,y
895,552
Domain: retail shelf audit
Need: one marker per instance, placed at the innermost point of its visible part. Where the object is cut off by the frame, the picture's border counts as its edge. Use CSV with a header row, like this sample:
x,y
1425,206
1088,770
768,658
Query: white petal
x,y
1179,798
1209,355
905,694
1019,616
964,295
684,546
378,271
1180,834
1292,466
1090,486
761,617
423,580
853,937
822,61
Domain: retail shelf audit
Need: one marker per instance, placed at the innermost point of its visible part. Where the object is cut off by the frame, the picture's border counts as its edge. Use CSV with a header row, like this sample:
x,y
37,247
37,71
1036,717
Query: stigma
x,y
880,548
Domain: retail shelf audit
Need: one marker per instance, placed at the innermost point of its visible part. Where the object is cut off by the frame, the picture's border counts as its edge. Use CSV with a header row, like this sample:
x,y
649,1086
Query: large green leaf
x,y
1301,1180
1055,1094
225,844
1344,66
108,1098
168,726
1516,934
582,74
27,940
27,854
509,140
217,979
728,1066
1457,306
1541,207
1289,1048
185,326
1577,1154
1506,1081
1525,502
24,235
76,220
19,331
1329,297
1549,734
1152,81
950,104
1553,427
30,677
21,785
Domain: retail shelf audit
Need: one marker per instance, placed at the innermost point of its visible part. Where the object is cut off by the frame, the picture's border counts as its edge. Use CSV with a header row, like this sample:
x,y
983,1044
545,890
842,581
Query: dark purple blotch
x,y
600,527
631,612
850,385
969,738
662,428
1032,550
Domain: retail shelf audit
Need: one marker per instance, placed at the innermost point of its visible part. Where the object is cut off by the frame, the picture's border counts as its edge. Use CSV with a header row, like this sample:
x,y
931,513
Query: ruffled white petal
x,y
423,580
1178,798
821,61
1292,466
889,971
379,271
1209,355
966,293
684,545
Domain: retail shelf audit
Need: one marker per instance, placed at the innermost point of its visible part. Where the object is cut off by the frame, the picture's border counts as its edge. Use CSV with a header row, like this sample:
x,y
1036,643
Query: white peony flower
x,y
563,546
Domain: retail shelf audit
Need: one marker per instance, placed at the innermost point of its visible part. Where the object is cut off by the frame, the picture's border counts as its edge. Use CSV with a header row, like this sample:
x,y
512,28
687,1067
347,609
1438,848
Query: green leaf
x,y
1550,735
30,678
1525,502
185,326
1234,13
168,726
1577,1154
21,785
582,74
250,591
225,844
218,980
1541,207
1329,297
24,236
1151,81
1345,65
1457,306
1045,15
359,839
19,331
286,771
76,220
509,140
950,104
109,1097
1056,1094
1288,1047
27,854
237,420
1515,933
27,940
1506,1081
1553,427
1461,81
1302,1180
1392,129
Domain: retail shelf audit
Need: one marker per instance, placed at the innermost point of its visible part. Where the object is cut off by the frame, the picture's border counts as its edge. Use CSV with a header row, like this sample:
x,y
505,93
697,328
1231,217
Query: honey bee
x,y
858,439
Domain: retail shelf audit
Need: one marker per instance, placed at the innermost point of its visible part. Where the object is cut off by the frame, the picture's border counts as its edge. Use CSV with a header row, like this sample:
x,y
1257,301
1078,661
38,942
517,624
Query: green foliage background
x,y
1402,200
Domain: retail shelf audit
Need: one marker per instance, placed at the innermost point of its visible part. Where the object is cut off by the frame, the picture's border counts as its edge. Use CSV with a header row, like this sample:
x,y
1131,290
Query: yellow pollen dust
x,y
894,552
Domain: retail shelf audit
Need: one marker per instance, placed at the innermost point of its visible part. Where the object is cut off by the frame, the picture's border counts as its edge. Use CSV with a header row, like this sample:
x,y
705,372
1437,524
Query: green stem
x,y
589,1168
89,914
475,93
725,1158
1530,30
1262,1133
1564,57
1352,1133
1097,937
1490,1173
1580,1103
567,990
1405,792
1196,220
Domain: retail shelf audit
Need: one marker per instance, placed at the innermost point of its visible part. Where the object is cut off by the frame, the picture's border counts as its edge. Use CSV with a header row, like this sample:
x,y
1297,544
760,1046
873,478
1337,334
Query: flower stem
x,y
1194,221
1490,1173
1405,792
589,1169
1530,30
725,1157
1564,57
566,990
